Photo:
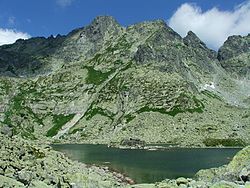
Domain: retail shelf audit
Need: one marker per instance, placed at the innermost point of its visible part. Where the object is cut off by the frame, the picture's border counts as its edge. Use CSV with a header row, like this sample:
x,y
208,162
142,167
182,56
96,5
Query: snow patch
x,y
209,86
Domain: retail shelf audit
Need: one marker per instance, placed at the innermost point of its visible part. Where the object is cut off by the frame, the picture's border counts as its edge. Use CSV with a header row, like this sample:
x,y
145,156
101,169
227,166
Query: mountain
x,y
104,83
234,56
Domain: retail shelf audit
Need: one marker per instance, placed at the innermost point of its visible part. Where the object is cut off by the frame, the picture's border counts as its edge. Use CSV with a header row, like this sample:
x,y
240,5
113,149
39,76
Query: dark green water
x,y
145,166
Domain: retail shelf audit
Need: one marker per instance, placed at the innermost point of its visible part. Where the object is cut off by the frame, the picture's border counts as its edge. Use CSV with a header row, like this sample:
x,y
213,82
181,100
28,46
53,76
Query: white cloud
x,y
64,3
212,26
9,36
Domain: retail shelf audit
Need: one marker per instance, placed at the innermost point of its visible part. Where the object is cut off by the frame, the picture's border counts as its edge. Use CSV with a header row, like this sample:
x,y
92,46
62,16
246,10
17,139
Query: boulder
x,y
131,142
245,174
25,176
9,182
224,184
6,130
181,180
39,184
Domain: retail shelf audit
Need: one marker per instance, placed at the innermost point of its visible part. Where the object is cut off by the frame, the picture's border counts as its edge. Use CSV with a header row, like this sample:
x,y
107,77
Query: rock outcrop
x,y
234,56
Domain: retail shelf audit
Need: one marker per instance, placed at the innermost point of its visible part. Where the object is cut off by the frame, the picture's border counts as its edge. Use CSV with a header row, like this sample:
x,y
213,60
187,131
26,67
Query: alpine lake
x,y
147,166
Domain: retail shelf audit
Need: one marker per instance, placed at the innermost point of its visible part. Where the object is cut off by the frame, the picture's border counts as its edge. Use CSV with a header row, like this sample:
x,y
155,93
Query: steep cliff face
x,y
28,57
234,56
234,46
103,83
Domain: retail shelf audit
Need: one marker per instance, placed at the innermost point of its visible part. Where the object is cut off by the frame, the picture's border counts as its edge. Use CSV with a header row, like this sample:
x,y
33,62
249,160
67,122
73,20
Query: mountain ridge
x,y
108,20
103,83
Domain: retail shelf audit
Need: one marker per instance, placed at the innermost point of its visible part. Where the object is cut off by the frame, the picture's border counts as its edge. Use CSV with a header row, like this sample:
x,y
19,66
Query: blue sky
x,y
46,17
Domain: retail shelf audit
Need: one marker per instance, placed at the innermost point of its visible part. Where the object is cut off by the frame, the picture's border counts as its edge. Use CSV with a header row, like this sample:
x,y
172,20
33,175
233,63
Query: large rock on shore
x,y
236,170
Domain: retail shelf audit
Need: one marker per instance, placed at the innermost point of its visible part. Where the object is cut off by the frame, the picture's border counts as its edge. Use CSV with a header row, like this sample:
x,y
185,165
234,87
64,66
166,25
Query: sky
x,y
212,20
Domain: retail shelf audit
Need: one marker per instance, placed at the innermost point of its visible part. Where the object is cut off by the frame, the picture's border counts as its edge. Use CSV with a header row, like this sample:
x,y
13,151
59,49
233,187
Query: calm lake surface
x,y
145,166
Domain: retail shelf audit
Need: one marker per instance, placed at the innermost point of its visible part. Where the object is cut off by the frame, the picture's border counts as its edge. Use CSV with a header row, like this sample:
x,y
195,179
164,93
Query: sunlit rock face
x,y
105,83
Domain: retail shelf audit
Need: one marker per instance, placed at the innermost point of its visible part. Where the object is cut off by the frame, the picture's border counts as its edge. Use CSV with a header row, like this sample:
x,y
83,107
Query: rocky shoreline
x,y
26,164
140,144
136,143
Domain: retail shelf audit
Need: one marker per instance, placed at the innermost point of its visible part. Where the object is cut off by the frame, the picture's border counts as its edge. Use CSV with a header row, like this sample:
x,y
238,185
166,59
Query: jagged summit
x,y
234,46
149,37
104,20
102,24
154,25
193,40
234,56
148,24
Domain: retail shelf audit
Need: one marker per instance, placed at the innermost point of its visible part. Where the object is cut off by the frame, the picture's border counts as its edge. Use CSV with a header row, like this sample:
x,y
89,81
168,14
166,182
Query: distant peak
x,y
193,40
234,46
148,24
160,22
100,24
192,36
152,26
104,20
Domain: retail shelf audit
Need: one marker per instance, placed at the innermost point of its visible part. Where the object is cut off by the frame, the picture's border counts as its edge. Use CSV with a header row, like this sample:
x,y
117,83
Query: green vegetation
x,y
5,86
96,59
174,111
17,102
129,117
74,131
212,142
122,43
7,119
96,77
199,106
18,108
27,135
246,116
97,110
37,153
211,95
59,121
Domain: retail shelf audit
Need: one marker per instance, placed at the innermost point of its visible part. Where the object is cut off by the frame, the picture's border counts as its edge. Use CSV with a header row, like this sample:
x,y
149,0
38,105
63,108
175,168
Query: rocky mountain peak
x,y
151,27
234,46
147,24
234,56
156,23
193,40
101,24
104,20
98,27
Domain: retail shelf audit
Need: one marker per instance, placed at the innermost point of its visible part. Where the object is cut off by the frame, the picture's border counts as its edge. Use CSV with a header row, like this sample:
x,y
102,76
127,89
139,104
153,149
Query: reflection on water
x,y
149,166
